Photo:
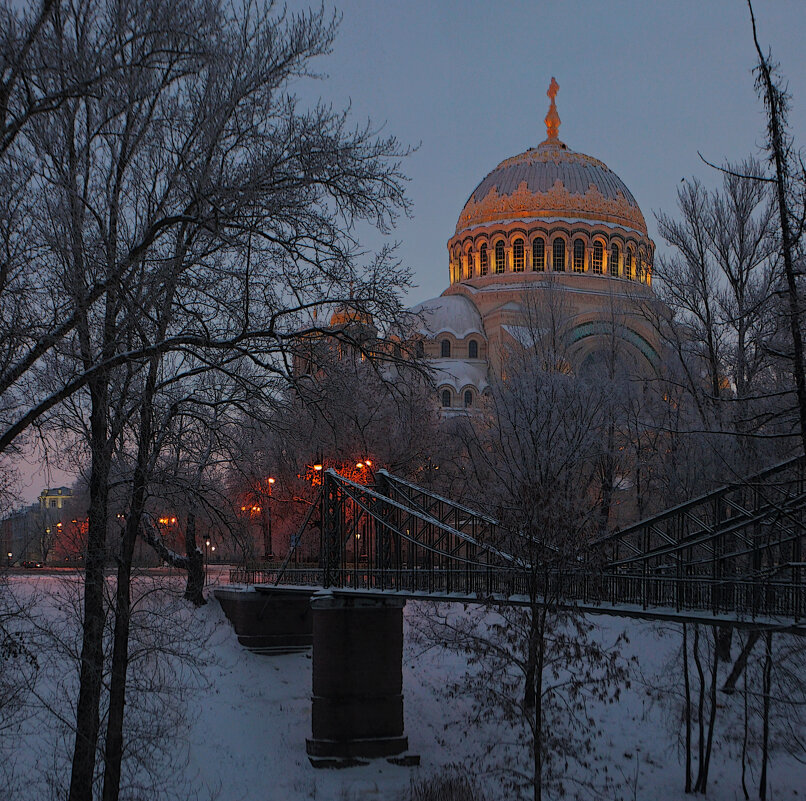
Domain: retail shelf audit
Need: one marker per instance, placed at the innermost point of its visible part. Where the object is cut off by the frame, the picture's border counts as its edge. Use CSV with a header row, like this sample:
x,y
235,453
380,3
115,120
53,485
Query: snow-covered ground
x,y
243,734
251,729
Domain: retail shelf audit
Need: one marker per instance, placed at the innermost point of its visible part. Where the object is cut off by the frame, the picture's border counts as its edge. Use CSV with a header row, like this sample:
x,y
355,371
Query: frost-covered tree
x,y
534,461
179,202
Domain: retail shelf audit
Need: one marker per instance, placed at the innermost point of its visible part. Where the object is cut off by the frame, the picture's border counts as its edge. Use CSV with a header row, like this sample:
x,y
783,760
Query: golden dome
x,y
551,181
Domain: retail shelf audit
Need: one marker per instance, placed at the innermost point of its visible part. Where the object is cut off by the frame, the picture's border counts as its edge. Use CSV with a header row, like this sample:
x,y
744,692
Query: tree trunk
x,y
711,718
776,145
537,748
741,663
687,689
113,752
92,656
745,736
700,708
765,738
724,639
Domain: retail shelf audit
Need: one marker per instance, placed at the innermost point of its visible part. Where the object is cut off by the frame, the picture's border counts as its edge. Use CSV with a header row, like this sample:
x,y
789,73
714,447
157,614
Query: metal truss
x,y
733,554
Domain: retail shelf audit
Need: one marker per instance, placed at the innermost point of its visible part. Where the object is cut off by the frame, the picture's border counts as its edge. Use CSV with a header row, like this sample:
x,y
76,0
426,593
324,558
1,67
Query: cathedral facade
x,y
547,220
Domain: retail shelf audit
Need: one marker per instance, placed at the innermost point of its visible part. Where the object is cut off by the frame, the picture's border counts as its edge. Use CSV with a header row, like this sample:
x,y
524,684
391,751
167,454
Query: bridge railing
x,y
740,598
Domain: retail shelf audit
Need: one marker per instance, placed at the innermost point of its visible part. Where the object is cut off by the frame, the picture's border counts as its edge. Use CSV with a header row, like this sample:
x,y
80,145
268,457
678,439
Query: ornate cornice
x,y
556,202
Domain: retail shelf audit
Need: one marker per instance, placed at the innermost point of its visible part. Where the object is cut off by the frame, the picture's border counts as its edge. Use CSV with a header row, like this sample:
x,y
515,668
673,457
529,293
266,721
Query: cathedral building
x,y
547,219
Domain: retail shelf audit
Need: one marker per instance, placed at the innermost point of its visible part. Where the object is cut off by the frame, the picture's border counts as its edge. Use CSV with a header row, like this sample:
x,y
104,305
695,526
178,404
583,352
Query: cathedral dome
x,y
550,210
551,181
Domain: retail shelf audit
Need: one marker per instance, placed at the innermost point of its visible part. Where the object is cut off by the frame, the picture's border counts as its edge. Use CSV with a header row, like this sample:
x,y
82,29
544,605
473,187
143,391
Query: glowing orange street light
x,y
271,480
317,467
360,465
367,463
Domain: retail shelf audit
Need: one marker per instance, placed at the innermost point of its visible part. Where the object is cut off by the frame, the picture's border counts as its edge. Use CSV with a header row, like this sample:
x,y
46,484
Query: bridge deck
x,y
657,613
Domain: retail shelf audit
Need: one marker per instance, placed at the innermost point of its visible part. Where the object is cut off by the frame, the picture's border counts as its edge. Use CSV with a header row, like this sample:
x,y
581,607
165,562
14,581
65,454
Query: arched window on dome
x,y
518,256
468,399
579,255
598,257
446,398
499,256
539,254
628,264
445,349
558,255
469,264
613,266
484,261
640,272
473,349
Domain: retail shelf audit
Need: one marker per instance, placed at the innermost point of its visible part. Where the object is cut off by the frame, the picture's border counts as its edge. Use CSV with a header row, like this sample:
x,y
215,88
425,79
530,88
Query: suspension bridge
x,y
733,556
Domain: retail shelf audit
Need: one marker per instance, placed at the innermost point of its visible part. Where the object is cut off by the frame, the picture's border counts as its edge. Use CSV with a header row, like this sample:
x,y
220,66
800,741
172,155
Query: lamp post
x,y
206,557
267,544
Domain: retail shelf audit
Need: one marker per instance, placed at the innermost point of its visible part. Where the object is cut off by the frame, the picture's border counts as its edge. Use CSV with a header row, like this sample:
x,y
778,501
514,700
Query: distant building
x,y
55,497
19,535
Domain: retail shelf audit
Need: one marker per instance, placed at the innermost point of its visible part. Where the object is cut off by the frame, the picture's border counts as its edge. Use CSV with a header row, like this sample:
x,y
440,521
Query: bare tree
x,y
789,182
719,284
183,204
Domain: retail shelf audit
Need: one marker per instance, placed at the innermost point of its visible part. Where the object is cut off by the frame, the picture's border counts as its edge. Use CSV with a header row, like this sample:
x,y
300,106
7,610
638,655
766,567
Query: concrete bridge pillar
x,y
357,678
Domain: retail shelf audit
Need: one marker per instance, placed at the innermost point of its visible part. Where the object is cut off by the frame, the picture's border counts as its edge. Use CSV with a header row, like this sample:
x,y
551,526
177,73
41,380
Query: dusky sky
x,y
644,86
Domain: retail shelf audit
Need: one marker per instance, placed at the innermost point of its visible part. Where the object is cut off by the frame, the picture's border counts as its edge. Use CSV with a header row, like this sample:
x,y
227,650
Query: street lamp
x,y
267,544
9,558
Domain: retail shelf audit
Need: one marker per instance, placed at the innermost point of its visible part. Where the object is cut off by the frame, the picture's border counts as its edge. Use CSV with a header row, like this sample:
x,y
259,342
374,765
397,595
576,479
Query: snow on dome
x,y
460,374
451,314
551,181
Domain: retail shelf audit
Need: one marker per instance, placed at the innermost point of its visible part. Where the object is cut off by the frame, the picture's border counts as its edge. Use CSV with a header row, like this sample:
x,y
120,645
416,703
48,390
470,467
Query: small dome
x,y
452,314
551,181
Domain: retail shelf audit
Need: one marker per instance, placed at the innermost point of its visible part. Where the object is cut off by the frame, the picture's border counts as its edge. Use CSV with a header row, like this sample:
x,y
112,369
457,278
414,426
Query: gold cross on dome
x,y
552,118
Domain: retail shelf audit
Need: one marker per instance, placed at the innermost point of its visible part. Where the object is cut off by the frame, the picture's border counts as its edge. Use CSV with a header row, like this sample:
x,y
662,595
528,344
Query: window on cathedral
x,y
518,257
628,264
639,267
469,265
420,348
468,398
598,257
445,349
446,398
558,255
499,256
579,255
539,254
473,349
613,266
483,260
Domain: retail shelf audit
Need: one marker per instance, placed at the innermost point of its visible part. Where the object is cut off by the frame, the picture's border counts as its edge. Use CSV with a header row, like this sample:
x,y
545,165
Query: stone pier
x,y
357,679
269,620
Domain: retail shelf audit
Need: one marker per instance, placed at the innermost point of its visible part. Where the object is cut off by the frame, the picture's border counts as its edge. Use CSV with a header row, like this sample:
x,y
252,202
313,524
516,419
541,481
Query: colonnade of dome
x,y
558,248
